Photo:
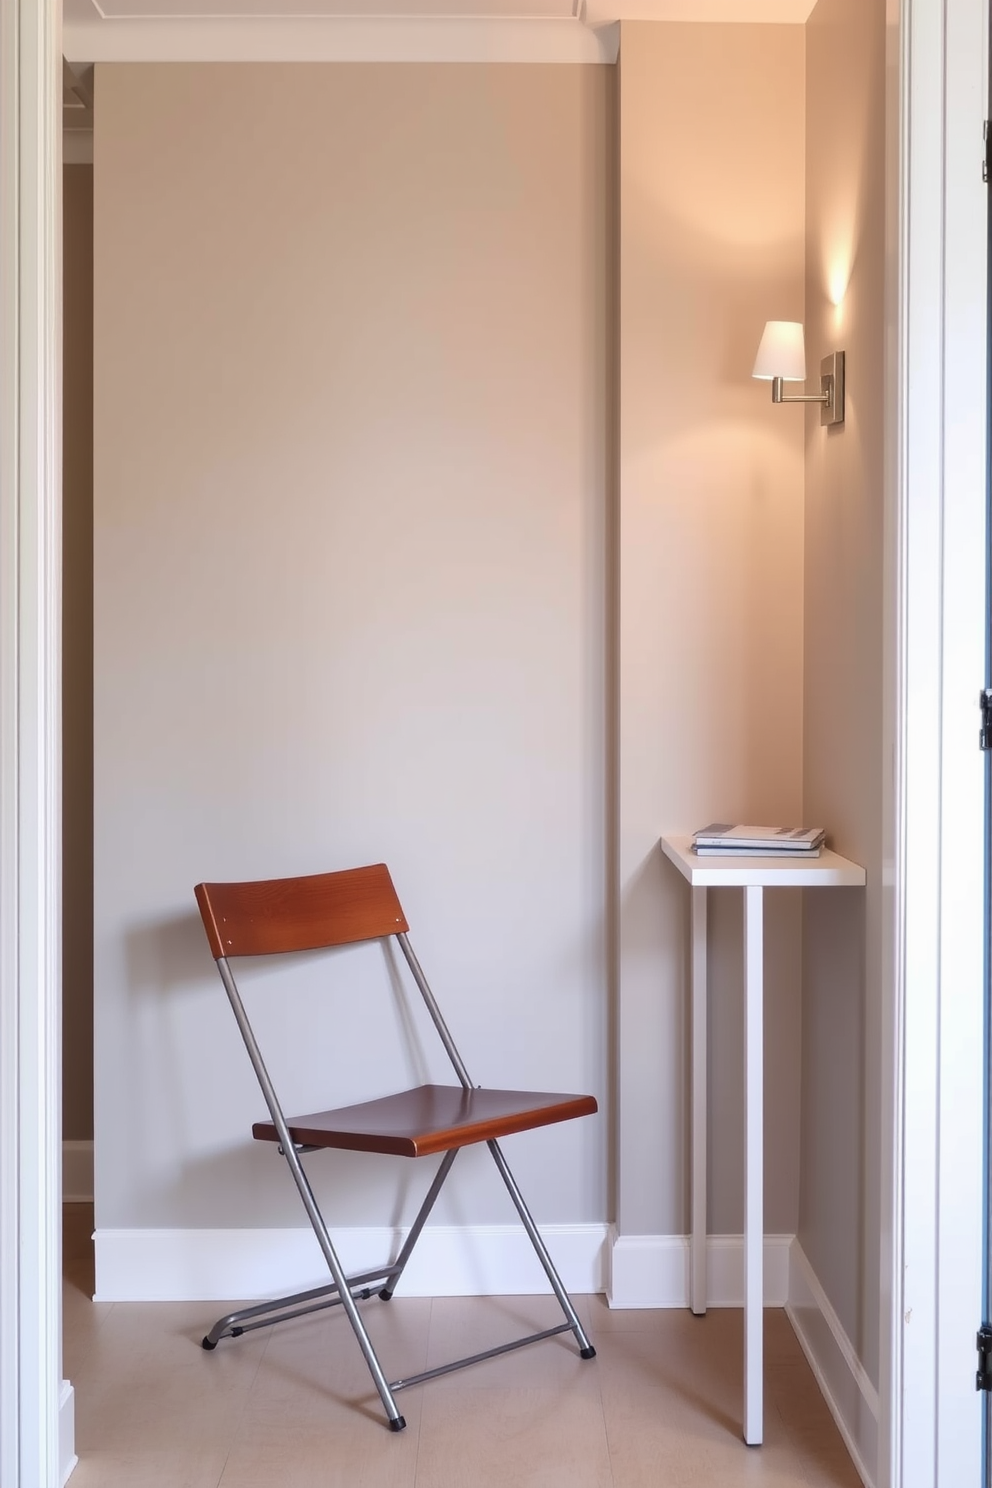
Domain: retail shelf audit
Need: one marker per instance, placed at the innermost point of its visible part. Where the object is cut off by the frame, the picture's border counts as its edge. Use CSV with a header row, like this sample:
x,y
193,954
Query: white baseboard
x,y
77,1172
210,1265
850,1394
67,1432
653,1271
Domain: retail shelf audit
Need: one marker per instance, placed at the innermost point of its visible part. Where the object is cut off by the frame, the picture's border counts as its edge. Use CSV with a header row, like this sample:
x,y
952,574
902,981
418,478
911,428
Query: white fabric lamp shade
x,y
781,352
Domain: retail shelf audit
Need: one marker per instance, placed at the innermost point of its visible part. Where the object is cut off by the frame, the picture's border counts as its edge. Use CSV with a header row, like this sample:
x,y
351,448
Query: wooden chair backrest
x,y
271,916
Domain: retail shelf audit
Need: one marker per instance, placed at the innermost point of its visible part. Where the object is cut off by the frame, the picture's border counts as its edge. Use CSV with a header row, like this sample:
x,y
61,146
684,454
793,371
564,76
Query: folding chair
x,y
333,909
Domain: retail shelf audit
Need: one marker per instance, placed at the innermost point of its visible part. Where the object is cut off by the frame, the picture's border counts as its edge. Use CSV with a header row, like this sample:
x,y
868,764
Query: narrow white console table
x,y
753,875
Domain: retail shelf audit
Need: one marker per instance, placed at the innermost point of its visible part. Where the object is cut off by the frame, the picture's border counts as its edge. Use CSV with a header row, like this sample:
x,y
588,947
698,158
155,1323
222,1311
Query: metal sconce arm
x,y
831,394
779,394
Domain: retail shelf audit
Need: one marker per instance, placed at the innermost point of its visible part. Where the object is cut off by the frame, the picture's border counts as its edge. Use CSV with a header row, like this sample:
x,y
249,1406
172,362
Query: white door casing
x,y
30,764
932,1014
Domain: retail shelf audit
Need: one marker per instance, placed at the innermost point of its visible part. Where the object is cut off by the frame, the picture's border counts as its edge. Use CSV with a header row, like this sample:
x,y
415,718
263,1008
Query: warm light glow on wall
x,y
838,278
837,232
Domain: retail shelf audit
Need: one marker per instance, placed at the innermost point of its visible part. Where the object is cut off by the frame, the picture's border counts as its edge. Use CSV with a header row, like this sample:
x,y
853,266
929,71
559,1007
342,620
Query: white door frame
x,y
30,759
929,1429
932,1015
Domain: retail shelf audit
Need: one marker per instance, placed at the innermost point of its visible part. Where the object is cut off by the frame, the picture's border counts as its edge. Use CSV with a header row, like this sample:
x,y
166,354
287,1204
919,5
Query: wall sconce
x,y
782,358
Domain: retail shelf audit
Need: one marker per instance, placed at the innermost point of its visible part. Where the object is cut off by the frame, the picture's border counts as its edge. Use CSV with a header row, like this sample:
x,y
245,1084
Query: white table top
x,y
829,870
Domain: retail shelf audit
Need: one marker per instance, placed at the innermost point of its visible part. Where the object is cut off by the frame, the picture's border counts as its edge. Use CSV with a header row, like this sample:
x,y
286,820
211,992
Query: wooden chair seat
x,y
429,1119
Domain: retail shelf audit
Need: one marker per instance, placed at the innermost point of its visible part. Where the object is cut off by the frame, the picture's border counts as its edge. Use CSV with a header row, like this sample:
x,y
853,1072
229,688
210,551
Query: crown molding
x,y
431,39
291,11
567,31
707,12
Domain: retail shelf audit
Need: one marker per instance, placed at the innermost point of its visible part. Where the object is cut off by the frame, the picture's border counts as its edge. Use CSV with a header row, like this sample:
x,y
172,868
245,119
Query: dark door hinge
x,y
985,732
986,163
983,1342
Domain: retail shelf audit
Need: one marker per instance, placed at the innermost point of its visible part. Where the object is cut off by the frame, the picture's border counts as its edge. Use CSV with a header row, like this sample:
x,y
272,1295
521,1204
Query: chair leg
x,y
393,1414
585,1347
398,1266
289,1152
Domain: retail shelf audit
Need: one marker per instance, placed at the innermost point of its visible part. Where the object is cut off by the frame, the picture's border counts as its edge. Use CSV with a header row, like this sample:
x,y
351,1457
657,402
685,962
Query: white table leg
x,y
753,1165
697,1184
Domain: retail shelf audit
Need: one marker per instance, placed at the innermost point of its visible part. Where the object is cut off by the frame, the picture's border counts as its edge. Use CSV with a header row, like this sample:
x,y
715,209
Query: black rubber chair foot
x,y
589,1353
398,1425
385,1294
207,1344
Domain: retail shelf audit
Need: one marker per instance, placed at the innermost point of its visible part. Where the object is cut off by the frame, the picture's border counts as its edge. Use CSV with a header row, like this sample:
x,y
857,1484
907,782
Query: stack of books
x,y
720,839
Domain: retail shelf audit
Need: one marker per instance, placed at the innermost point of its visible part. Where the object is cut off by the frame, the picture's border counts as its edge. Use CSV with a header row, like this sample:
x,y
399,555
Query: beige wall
x,y
350,459
353,558
77,654
710,580
842,757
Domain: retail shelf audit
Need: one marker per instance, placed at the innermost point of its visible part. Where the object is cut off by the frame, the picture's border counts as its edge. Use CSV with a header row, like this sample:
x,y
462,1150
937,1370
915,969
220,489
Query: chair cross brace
x,y
503,1348
268,1313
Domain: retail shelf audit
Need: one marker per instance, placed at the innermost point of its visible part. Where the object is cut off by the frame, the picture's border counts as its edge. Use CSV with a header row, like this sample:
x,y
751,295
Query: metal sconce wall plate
x,y
832,383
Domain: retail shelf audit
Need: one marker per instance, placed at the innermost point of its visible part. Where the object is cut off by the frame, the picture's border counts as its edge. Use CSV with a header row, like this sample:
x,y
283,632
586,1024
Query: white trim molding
x,y
344,39
67,1432
653,1271
778,12
146,1265
583,31
932,993
31,1454
842,1378
449,1261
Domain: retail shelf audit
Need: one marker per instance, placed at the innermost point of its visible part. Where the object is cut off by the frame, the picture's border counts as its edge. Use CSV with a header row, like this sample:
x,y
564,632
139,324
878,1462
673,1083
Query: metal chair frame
x,y
347,1290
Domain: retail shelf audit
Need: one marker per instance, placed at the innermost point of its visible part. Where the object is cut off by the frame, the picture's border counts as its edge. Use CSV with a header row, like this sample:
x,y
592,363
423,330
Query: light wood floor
x,y
294,1407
